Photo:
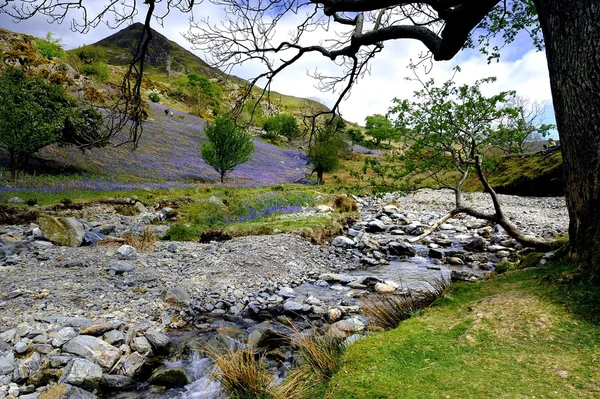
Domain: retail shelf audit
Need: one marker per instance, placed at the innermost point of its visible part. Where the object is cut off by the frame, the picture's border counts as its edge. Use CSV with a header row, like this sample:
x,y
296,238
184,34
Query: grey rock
x,y
7,363
286,292
78,322
436,253
177,295
63,336
81,373
391,209
15,200
342,242
133,364
121,267
159,341
384,288
94,349
127,252
401,248
477,244
292,307
376,226
93,237
21,347
114,337
141,345
347,327
113,382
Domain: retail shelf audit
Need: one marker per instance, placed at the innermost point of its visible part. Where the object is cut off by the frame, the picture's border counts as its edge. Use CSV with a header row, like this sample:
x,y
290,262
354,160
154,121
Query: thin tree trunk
x,y
572,36
13,167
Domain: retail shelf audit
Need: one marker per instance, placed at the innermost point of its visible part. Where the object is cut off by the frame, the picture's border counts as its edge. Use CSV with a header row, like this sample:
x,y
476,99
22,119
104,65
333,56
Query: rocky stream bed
x,y
111,321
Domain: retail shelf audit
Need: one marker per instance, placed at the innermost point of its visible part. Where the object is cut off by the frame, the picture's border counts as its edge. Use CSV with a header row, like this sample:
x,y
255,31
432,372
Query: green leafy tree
x,y
284,125
448,130
355,134
328,146
35,114
380,128
227,147
50,47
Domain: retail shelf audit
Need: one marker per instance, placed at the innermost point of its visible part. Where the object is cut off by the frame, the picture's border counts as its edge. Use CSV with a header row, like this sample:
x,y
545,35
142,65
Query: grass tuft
x,y
143,243
386,311
242,373
345,204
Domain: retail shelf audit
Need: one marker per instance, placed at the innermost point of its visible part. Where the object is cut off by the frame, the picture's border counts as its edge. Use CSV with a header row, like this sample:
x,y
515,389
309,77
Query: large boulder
x,y
81,373
342,242
94,349
66,231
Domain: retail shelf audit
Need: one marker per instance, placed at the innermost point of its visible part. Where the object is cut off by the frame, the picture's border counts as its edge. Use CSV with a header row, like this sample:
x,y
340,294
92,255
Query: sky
x,y
521,67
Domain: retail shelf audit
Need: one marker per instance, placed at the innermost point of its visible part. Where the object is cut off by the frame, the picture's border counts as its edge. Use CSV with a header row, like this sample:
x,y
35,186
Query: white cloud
x,y
525,71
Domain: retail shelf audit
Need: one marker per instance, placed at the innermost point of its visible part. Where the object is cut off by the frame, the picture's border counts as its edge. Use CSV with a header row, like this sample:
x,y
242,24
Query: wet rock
x,y
66,231
170,377
286,292
333,315
94,349
455,261
141,345
436,253
478,244
401,248
81,373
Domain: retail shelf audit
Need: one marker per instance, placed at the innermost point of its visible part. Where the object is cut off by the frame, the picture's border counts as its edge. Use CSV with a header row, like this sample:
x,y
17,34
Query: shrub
x,y
180,232
31,201
98,69
504,266
91,54
154,97
66,201
282,124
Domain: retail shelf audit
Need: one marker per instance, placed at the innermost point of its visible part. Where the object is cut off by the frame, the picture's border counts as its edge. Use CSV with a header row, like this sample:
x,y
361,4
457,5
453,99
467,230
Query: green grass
x,y
510,337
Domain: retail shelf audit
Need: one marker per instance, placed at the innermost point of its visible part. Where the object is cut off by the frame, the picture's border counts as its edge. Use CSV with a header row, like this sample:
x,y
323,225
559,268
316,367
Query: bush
x,y
154,97
66,201
504,266
97,69
31,201
180,232
91,54
284,125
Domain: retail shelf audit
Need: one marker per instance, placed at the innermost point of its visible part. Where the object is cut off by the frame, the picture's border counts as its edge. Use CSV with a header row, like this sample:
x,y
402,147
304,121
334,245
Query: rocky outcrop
x,y
66,231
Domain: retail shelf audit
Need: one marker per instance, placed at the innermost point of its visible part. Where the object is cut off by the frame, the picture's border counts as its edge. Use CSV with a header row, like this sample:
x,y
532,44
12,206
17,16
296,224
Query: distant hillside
x,y
163,54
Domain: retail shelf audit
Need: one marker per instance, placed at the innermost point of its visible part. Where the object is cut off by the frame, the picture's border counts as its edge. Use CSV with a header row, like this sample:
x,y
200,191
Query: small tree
x,y
329,144
380,128
35,114
448,129
228,146
284,125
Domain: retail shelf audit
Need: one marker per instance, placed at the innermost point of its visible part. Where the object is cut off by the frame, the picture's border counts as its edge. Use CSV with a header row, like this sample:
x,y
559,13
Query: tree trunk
x,y
222,177
319,177
572,36
13,167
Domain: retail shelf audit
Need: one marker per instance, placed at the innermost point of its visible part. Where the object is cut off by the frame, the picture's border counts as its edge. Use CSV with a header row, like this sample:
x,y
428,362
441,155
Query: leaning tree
x,y
567,29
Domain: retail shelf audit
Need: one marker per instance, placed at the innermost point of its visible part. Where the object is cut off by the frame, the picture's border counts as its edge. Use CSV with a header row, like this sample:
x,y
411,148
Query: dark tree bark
x,y
572,37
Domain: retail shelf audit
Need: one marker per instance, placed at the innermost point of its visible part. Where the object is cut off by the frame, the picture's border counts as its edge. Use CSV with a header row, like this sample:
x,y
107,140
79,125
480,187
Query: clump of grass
x,y
242,373
66,201
126,210
504,266
31,201
144,242
386,311
345,204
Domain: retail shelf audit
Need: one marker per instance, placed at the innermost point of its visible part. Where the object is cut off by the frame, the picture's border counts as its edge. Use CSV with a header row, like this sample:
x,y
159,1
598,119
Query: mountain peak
x,y
163,54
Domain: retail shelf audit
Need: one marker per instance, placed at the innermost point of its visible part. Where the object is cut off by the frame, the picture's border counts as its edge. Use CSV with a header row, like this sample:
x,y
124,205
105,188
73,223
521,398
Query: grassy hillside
x,y
529,174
